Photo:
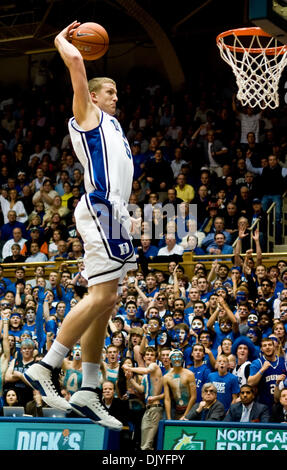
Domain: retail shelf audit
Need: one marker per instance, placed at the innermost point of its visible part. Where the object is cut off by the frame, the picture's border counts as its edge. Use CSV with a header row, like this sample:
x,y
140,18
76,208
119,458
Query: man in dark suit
x,y
209,409
119,409
279,409
115,406
248,410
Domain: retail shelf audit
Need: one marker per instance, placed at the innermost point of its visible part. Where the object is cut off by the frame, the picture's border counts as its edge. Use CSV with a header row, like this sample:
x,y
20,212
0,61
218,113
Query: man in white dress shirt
x,y
171,248
17,238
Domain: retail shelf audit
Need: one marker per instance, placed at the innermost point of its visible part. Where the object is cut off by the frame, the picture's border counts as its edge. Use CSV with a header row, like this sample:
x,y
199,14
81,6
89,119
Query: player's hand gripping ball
x,y
92,40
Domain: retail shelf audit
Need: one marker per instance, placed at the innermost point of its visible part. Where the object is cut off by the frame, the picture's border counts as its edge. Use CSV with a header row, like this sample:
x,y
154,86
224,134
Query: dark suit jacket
x,y
215,413
119,409
259,413
277,415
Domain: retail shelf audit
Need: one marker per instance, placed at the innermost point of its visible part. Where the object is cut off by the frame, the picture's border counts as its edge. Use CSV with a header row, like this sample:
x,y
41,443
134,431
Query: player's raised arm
x,y
82,102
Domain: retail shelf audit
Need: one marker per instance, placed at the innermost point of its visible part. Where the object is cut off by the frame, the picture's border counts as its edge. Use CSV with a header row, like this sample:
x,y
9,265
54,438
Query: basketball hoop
x,y
257,60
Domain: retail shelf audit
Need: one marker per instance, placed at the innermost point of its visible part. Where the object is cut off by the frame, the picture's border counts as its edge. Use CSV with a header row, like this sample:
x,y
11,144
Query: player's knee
x,y
112,300
107,302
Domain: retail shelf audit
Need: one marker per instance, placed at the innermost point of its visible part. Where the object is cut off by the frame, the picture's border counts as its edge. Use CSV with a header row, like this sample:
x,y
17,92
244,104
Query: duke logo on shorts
x,y
102,218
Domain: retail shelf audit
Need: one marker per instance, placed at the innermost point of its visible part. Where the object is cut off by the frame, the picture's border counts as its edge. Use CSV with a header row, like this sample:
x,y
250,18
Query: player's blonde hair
x,y
95,84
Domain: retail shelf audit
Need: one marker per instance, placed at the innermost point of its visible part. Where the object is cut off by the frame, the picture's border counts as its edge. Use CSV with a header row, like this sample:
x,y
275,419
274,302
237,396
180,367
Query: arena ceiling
x,y
29,26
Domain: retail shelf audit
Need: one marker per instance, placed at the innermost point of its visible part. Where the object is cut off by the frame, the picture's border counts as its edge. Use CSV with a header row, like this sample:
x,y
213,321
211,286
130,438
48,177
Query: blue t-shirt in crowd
x,y
226,386
152,251
219,336
201,374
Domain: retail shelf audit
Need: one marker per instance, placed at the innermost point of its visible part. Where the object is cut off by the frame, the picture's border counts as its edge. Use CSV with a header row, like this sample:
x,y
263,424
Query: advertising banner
x,y
221,437
40,434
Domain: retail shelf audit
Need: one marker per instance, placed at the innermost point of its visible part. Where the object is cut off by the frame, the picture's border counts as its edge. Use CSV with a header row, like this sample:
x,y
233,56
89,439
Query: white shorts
x,y
109,252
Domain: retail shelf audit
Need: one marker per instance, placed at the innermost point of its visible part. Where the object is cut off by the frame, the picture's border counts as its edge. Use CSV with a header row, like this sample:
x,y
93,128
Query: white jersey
x,y
105,155
102,218
239,371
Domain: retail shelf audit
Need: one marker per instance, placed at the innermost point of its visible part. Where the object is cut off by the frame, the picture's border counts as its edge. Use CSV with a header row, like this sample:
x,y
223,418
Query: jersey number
x,y
126,143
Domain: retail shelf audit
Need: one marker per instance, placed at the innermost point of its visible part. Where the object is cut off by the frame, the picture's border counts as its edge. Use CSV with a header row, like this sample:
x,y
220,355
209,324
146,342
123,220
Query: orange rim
x,y
256,31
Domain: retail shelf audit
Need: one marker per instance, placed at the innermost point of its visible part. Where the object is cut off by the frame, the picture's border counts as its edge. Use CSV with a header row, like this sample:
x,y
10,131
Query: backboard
x,y
271,16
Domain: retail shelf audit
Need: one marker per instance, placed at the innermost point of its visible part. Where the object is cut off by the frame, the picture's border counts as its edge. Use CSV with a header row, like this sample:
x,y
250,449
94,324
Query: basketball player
x,y
104,152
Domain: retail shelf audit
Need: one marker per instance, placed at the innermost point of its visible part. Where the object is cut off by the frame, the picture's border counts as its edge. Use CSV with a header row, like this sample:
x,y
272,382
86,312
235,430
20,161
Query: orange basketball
x,y
92,40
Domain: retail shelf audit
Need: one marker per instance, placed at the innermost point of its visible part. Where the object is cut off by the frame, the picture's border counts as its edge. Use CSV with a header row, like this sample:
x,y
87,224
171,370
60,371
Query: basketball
x,y
92,40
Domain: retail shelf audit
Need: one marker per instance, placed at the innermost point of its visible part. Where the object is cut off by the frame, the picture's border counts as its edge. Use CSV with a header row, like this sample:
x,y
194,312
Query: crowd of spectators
x,y
177,346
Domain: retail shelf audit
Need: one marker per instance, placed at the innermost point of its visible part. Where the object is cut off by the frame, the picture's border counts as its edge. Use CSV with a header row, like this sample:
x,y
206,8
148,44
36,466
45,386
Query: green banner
x,y
219,438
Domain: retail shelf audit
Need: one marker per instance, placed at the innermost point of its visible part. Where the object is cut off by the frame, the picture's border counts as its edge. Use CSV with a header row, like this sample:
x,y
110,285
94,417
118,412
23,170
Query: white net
x,y
257,67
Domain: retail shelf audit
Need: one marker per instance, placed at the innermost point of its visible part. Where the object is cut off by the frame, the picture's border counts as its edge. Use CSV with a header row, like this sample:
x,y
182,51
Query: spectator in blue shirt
x,y
219,246
218,227
226,383
146,249
151,285
223,324
7,229
266,371
199,368
36,255
139,160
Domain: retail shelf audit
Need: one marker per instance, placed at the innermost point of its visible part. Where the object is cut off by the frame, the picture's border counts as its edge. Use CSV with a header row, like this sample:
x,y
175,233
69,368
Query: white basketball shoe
x,y
86,402
44,378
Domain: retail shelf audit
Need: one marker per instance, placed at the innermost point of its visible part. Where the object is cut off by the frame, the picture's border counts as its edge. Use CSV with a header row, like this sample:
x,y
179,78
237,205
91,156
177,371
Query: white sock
x,y
91,375
56,354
